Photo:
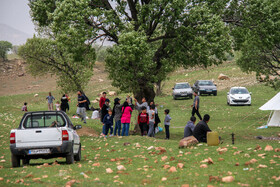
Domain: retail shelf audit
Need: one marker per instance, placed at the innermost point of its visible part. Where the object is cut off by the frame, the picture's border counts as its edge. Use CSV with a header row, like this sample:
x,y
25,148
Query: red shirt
x,y
143,118
102,101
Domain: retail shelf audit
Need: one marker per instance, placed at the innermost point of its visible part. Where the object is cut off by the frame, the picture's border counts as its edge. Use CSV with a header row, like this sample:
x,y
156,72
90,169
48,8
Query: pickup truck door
x,y
76,139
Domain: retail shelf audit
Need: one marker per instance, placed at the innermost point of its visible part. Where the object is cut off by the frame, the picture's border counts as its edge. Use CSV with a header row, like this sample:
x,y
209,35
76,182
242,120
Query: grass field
x,y
144,165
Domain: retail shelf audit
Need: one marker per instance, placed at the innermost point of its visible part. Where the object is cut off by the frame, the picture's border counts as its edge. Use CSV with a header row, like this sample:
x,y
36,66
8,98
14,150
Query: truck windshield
x,y
44,120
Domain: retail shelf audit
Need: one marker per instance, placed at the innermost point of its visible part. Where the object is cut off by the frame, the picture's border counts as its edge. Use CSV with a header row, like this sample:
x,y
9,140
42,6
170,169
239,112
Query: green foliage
x,y
172,33
5,46
48,56
257,36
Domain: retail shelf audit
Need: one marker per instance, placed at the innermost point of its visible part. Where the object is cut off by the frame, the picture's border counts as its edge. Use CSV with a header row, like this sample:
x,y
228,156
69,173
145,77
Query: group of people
x,y
147,120
200,130
64,105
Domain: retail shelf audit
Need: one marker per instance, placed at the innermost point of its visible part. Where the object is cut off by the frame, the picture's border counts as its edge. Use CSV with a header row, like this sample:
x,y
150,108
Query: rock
x,y
172,169
121,167
180,165
100,80
163,179
228,179
223,77
187,142
268,148
112,93
203,166
109,170
36,95
20,74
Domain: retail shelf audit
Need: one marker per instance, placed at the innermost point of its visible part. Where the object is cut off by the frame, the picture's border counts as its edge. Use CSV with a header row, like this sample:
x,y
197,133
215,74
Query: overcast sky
x,y
15,13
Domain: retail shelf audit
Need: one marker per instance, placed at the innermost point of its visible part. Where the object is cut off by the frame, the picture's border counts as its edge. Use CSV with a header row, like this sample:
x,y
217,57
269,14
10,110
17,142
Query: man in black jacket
x,y
201,129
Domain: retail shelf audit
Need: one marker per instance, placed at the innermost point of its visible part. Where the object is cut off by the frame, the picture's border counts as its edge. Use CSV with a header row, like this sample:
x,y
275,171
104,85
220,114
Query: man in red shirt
x,y
102,100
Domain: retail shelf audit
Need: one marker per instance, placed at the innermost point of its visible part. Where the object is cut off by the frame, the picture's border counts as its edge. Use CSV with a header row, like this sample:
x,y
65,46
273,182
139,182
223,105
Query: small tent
x,y
273,105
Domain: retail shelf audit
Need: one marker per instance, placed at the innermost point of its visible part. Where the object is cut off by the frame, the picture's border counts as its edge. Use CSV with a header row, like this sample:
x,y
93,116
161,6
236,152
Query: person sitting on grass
x,y
108,122
143,121
201,129
24,107
188,131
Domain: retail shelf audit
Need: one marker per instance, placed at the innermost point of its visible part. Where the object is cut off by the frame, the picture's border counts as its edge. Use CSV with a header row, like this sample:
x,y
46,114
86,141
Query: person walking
x,y
81,106
125,119
50,99
195,105
117,113
64,103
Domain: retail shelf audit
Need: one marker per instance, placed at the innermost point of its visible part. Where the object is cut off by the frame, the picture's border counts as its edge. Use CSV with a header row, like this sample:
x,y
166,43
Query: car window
x,y
205,83
239,91
182,86
41,120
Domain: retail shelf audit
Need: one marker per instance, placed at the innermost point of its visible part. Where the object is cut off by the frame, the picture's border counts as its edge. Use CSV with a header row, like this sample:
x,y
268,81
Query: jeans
x,y
107,128
167,131
151,132
194,111
118,127
125,130
82,113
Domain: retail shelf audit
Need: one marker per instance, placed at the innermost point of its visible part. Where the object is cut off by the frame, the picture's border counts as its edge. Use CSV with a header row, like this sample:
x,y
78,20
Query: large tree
x,y
255,26
73,71
5,46
151,38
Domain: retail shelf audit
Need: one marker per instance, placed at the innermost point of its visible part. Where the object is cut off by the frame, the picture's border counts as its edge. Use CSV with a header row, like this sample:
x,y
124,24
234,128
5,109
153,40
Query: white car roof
x,y
237,87
182,83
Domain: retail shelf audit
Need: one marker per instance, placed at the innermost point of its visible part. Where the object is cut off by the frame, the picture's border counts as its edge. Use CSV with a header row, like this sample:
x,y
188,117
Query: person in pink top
x,y
125,119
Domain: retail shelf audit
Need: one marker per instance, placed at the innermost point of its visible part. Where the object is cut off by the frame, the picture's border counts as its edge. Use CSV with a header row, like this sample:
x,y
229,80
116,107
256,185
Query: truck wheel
x,y
78,156
15,161
25,161
70,157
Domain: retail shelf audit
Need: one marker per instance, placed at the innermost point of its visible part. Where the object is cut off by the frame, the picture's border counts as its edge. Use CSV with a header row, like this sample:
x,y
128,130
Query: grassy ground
x,y
145,165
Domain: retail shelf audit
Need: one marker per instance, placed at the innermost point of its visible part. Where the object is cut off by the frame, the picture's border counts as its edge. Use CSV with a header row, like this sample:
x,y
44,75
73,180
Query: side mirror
x,y
172,88
76,127
250,93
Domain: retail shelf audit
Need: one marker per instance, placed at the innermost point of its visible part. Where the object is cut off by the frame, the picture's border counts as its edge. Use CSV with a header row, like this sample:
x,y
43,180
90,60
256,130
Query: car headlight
x,y
232,97
248,98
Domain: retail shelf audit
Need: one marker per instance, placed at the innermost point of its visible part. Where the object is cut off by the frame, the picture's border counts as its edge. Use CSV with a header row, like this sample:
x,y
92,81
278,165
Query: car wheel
x,y
78,156
15,161
191,97
174,98
70,157
215,94
25,161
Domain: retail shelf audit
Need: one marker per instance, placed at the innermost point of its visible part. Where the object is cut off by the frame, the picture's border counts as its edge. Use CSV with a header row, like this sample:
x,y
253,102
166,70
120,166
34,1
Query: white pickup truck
x,y
45,134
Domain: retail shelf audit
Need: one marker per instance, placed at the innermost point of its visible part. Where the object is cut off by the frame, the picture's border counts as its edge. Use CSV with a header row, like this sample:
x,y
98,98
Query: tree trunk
x,y
158,88
145,91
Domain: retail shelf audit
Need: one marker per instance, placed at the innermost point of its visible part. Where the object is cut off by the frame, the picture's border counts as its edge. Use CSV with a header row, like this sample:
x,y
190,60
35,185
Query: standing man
x,y
50,99
82,106
201,129
195,106
102,100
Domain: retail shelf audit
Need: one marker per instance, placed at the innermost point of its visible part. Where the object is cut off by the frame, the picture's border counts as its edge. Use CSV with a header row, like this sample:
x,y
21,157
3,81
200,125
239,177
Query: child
x,y
108,121
143,121
151,113
167,123
24,107
57,106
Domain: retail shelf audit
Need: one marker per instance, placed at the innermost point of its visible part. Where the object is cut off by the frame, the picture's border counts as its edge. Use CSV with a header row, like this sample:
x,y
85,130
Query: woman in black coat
x,y
64,103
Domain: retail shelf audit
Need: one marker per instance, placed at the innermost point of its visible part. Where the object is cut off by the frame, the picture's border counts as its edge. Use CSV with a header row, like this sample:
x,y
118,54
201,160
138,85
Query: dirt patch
x,y
86,131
